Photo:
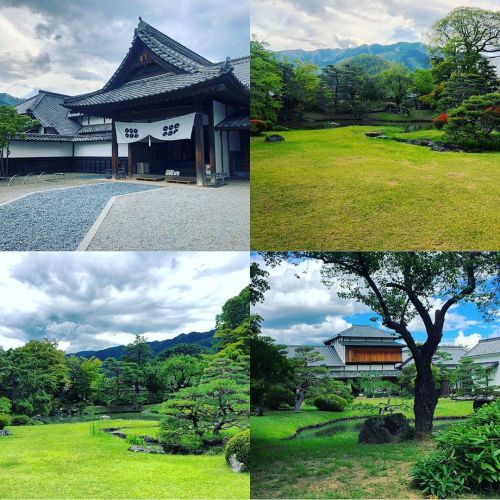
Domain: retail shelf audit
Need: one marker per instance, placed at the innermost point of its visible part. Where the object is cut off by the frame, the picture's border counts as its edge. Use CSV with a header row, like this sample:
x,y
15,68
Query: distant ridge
x,y
204,339
9,100
412,54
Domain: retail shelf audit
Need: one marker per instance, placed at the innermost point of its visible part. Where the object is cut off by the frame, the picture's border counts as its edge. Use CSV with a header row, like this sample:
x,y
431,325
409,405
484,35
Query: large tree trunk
x,y
426,399
300,395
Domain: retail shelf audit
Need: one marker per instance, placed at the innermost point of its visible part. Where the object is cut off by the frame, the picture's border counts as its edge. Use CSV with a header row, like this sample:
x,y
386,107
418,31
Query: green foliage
x,y
5,405
187,349
277,396
21,420
83,374
472,123
12,125
330,387
33,375
332,403
239,445
176,436
265,74
4,420
467,460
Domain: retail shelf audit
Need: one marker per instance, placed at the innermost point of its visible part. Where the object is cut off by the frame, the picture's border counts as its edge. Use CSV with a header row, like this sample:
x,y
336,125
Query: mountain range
x,y
412,54
203,339
9,100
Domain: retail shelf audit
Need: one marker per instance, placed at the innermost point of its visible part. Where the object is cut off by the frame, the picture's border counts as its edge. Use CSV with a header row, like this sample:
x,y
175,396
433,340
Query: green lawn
x,y
71,461
336,189
336,466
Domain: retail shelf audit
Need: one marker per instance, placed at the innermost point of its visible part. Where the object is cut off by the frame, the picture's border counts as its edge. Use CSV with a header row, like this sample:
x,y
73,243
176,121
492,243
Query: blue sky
x,y
73,47
98,300
301,310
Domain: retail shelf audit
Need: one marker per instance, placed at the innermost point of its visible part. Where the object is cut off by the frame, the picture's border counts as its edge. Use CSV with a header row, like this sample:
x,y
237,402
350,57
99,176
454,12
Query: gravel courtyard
x,y
178,218
57,219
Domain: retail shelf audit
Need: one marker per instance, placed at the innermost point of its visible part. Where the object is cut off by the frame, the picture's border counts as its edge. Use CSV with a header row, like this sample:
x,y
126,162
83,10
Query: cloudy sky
x,y
93,301
301,310
72,46
317,24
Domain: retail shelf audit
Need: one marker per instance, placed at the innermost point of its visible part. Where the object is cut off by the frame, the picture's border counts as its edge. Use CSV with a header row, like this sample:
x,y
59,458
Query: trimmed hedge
x,y
277,397
239,445
21,420
331,403
4,420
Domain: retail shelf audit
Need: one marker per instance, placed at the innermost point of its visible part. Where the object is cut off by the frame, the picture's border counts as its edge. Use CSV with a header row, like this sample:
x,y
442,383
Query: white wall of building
x,y
102,149
495,373
32,149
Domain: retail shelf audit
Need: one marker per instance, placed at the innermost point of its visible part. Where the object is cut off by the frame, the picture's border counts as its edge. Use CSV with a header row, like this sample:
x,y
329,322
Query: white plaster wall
x,y
28,149
100,148
340,349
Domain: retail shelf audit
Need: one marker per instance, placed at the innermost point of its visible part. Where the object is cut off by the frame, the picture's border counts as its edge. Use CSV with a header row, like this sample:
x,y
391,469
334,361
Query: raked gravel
x,y
58,219
179,218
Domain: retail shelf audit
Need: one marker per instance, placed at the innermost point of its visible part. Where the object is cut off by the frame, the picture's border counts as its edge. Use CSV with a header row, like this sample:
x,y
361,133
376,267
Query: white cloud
x,y
93,301
293,24
467,341
303,333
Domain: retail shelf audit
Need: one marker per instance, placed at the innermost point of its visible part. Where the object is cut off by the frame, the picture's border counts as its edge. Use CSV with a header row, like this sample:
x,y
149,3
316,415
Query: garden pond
x,y
354,425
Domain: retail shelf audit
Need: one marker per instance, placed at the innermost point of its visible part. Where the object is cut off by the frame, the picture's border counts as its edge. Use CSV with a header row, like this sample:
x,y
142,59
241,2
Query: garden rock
x,y
118,434
331,125
147,449
5,432
385,429
373,134
236,465
275,138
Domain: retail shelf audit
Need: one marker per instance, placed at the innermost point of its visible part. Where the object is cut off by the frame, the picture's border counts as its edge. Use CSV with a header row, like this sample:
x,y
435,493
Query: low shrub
x,y
440,121
175,437
5,405
239,445
260,124
135,440
472,123
254,131
21,420
332,403
277,397
4,420
467,459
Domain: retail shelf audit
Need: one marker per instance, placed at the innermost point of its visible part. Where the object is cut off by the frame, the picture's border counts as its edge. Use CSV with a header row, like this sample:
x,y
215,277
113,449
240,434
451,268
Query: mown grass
x,y
336,466
336,189
79,461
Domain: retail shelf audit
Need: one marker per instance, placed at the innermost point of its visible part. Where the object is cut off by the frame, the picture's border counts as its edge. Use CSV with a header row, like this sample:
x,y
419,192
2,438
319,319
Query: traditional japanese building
x,y
359,351
159,84
160,79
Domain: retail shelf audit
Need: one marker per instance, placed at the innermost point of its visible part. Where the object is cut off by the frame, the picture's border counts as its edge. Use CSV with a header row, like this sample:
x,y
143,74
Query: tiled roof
x,y
484,347
194,69
47,108
241,69
95,128
237,121
364,331
454,352
67,138
331,358
169,50
137,89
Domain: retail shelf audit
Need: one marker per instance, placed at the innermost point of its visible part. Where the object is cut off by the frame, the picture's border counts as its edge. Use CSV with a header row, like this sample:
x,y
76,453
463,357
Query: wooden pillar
x,y
114,152
199,149
130,160
211,138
